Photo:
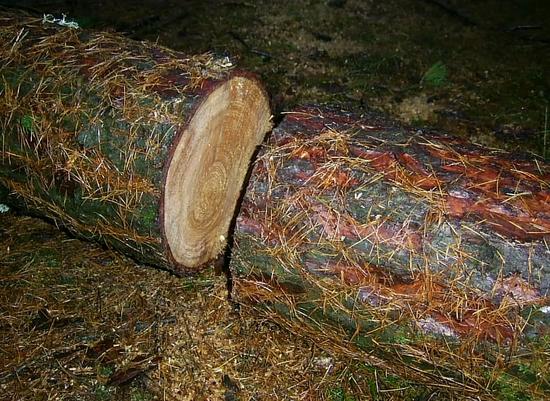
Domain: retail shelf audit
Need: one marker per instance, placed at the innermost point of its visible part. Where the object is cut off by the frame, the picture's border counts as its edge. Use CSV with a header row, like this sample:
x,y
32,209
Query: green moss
x,y
139,394
27,122
401,335
47,256
104,370
509,388
68,279
69,124
147,216
103,393
394,381
525,370
373,389
364,342
339,394
88,137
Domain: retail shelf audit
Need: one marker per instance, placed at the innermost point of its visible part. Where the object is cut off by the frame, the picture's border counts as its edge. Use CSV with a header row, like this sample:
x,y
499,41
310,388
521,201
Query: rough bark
x,y
415,250
130,143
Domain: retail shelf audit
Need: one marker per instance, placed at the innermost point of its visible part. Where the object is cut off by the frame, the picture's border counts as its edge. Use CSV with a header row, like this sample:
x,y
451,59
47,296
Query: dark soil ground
x,y
78,322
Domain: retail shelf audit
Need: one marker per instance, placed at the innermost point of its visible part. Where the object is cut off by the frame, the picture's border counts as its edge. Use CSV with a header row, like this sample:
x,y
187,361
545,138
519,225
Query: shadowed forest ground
x,y
78,322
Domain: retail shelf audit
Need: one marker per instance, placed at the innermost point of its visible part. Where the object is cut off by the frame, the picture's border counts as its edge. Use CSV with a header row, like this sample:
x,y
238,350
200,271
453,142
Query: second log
x,y
414,250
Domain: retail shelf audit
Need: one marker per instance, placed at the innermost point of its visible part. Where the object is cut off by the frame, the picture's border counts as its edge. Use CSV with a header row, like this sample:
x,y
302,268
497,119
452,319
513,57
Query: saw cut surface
x,y
207,169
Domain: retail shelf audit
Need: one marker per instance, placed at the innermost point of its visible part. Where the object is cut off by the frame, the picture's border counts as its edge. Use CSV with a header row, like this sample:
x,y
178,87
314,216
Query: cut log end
x,y
207,169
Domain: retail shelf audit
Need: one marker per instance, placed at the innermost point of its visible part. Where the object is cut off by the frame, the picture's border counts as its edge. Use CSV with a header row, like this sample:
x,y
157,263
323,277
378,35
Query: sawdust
x,y
81,322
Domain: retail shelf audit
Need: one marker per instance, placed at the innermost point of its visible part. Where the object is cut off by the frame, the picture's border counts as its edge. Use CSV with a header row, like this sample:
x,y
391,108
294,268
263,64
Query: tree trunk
x,y
130,143
415,250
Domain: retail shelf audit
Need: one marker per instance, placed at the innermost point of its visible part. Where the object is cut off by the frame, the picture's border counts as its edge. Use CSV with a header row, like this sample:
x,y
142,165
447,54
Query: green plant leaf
x,y
436,75
27,122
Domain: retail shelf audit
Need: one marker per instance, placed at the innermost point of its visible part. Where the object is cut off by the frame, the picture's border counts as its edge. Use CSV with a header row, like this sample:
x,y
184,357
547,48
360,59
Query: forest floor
x,y
78,322
478,69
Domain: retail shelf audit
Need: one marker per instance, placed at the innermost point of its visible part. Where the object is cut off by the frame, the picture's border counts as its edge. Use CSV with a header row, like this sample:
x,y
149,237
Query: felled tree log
x,y
130,143
416,251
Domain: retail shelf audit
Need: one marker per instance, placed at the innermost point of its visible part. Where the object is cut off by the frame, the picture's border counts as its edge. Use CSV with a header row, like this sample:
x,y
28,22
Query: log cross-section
x,y
207,168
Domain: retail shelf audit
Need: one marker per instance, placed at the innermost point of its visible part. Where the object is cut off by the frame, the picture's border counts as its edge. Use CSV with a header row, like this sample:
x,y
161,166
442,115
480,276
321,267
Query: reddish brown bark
x,y
357,223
